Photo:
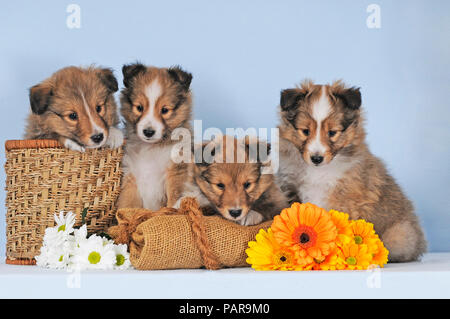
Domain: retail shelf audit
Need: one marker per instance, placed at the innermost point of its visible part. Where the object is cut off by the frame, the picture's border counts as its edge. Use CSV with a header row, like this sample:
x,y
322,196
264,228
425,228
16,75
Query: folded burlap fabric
x,y
183,238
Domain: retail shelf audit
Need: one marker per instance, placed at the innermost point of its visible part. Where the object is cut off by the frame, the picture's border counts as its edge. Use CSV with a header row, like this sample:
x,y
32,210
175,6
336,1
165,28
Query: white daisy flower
x,y
65,223
42,258
53,237
122,257
62,249
93,254
58,258
107,241
80,234
55,256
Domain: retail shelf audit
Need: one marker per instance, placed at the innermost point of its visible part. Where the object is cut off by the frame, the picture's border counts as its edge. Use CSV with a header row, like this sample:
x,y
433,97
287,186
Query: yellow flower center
x,y
94,257
60,258
120,260
358,240
351,260
62,228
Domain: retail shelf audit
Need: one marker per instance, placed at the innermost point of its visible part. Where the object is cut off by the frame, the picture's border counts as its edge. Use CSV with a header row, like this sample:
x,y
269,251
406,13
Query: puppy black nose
x,y
317,159
148,132
235,212
97,138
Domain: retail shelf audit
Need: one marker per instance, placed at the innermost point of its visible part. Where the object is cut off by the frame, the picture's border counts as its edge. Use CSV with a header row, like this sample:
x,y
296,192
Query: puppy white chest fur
x,y
148,164
318,182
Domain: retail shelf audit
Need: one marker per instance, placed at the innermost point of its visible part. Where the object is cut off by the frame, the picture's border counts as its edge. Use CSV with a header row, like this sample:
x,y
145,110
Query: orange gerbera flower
x,y
308,230
363,233
380,258
333,261
345,232
356,256
341,221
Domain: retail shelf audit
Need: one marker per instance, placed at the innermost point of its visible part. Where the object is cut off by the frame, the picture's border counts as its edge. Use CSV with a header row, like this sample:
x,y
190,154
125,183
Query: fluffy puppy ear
x,y
351,98
180,76
130,71
290,98
108,79
40,96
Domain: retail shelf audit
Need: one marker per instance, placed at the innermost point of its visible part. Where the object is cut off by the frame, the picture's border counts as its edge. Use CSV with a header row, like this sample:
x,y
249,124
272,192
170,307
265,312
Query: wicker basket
x,y
43,178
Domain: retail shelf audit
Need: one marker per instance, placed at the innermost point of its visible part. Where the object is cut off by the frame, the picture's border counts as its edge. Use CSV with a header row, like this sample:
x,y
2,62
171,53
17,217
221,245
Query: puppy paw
x,y
115,138
252,218
74,146
178,203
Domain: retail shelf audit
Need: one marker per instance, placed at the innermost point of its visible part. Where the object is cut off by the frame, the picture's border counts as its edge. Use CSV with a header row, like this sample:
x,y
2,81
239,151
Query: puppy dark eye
x,y
140,108
73,116
306,132
164,110
98,108
221,186
331,133
247,185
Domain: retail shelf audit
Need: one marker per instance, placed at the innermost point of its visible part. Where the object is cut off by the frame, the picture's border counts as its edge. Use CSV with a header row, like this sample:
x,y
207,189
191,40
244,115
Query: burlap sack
x,y
184,238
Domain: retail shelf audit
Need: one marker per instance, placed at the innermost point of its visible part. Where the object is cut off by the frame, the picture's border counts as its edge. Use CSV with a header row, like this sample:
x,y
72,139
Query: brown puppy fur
x,y
75,106
236,189
324,159
154,102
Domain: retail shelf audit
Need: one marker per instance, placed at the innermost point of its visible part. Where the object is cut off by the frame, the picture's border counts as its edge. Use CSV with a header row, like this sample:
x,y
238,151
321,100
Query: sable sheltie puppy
x,y
76,106
324,160
239,190
154,102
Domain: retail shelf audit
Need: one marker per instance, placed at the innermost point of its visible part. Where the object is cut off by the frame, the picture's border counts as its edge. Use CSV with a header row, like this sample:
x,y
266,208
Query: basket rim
x,y
22,144
37,143
20,261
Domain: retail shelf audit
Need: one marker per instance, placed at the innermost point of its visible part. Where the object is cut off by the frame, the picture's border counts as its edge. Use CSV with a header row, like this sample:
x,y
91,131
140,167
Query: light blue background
x,y
242,53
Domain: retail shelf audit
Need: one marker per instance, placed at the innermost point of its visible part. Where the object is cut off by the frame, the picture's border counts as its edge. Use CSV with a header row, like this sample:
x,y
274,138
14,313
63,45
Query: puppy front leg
x,y
175,179
177,203
129,195
174,184
202,201
252,218
71,145
115,138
